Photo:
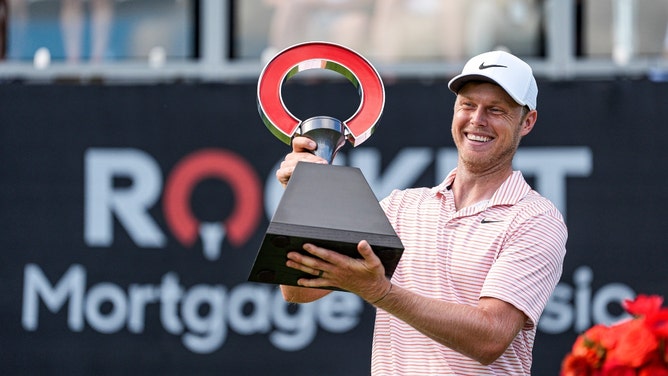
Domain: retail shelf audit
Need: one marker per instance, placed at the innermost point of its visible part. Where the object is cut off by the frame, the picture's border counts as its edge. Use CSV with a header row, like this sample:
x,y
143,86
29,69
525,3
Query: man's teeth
x,y
473,137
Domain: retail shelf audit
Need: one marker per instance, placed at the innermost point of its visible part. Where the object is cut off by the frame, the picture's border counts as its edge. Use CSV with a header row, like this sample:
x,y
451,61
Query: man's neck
x,y
471,188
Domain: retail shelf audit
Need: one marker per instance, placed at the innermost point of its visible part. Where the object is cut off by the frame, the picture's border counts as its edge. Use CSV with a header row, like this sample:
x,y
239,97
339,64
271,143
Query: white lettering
x,y
70,286
402,172
105,201
114,320
140,296
209,330
170,295
249,309
295,330
612,293
339,313
129,204
551,166
212,235
201,315
587,307
582,278
558,314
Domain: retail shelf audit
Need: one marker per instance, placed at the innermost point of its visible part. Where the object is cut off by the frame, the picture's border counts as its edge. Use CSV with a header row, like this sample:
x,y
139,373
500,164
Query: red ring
x,y
317,55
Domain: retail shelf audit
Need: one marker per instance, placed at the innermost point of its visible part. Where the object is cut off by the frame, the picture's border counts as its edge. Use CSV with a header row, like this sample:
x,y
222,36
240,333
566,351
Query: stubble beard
x,y
492,162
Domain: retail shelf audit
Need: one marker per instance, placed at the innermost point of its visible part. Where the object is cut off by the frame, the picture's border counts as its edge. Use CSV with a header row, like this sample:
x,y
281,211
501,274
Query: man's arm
x,y
481,332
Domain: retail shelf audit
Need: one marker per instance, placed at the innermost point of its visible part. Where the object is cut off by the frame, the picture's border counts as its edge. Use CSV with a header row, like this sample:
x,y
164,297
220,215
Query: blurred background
x,y
220,40
137,178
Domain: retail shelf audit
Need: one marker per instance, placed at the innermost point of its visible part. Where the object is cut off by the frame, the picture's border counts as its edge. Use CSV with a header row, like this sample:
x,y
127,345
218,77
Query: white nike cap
x,y
504,69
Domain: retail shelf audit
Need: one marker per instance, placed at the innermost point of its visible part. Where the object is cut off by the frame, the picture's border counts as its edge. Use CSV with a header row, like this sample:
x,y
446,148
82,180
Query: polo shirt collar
x,y
513,189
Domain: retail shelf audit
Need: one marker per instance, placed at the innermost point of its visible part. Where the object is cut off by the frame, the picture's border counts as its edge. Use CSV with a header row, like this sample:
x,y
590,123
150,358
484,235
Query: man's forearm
x,y
480,332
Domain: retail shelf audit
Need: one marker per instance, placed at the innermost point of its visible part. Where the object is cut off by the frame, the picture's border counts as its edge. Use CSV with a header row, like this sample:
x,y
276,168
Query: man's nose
x,y
478,117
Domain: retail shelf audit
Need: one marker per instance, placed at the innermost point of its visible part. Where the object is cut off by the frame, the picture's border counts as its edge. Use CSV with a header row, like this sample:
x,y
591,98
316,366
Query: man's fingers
x,y
310,265
364,248
301,144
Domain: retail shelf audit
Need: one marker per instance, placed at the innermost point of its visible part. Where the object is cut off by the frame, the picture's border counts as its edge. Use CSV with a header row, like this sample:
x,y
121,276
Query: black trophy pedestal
x,y
329,206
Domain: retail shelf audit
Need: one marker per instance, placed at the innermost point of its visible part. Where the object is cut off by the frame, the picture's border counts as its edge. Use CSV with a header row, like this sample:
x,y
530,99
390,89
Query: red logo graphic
x,y
228,167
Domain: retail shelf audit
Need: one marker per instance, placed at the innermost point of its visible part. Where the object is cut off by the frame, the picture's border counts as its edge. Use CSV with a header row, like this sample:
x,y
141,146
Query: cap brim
x,y
458,82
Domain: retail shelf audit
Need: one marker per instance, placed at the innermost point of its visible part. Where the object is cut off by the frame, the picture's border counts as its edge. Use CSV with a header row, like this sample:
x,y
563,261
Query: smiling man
x,y
483,251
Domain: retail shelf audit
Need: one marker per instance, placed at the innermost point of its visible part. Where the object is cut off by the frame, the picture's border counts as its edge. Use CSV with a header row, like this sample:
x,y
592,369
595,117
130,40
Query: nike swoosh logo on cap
x,y
483,66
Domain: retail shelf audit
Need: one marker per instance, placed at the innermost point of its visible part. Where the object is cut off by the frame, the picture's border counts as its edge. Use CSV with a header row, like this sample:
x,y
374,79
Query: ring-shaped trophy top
x,y
320,55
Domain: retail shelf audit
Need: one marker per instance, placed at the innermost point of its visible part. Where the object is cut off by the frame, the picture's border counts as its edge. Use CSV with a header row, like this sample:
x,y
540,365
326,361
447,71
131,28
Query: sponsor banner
x,y
131,217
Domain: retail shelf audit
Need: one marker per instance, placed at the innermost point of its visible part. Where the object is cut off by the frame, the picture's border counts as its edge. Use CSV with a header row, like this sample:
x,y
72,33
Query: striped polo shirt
x,y
510,247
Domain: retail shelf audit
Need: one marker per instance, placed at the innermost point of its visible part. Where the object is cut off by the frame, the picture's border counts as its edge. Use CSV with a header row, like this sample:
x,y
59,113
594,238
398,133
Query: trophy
x,y
326,205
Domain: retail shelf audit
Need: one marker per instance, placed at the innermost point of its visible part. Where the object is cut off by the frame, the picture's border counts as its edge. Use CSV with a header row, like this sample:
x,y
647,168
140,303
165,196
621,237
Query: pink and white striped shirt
x,y
510,247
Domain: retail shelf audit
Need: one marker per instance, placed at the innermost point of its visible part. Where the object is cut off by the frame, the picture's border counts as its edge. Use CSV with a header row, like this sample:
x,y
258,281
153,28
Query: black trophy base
x,y
329,206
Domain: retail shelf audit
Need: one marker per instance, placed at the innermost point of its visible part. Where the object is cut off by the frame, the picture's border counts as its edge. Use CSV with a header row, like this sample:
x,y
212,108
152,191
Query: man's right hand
x,y
302,148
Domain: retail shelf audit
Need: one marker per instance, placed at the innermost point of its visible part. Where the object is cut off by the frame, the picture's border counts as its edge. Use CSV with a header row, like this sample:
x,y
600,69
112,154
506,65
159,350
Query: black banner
x,y
131,216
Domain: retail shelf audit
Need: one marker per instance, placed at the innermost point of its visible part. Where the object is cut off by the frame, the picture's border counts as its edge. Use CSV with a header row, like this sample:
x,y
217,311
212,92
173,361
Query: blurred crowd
x,y
419,30
94,31
398,30
386,30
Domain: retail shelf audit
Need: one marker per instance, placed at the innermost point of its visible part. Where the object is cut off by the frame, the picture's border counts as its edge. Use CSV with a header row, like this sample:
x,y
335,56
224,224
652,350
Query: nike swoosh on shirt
x,y
485,220
483,66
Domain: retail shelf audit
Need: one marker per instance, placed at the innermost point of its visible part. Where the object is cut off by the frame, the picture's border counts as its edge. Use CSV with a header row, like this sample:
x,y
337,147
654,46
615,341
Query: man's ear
x,y
528,122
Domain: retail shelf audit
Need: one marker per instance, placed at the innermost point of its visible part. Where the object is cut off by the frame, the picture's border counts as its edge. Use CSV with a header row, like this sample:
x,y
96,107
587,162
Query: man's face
x,y
487,126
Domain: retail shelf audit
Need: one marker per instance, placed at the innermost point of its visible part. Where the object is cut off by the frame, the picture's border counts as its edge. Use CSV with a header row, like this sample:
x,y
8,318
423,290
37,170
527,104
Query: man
x,y
483,251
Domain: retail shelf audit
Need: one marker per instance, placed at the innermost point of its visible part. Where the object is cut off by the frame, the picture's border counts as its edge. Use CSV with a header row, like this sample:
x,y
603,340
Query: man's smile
x,y
478,138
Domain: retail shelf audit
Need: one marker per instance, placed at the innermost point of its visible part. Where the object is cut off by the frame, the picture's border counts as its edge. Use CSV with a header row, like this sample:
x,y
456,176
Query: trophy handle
x,y
327,132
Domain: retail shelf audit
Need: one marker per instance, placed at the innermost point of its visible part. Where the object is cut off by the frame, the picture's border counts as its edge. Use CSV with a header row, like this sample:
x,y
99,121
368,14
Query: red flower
x,y
618,370
656,368
576,366
643,305
658,322
589,347
635,344
632,347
